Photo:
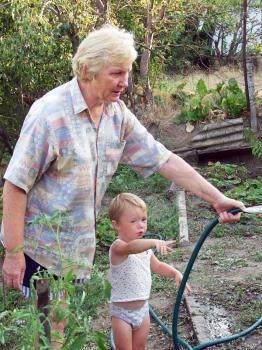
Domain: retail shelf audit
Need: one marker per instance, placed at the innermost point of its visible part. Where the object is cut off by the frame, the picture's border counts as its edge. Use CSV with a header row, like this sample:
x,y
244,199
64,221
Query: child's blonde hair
x,y
121,201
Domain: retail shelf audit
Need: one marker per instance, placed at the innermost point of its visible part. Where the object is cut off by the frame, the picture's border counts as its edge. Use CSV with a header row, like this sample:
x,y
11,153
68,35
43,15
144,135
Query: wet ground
x,y
227,276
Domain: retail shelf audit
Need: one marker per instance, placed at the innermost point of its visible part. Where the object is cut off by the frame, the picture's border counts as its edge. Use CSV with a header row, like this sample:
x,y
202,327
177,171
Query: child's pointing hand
x,y
163,247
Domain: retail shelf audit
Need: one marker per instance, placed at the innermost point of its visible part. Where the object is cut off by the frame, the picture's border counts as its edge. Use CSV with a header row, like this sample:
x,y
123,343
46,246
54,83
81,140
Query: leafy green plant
x,y
121,181
255,143
250,192
81,302
232,178
219,231
255,49
196,108
228,98
105,234
223,175
232,98
179,94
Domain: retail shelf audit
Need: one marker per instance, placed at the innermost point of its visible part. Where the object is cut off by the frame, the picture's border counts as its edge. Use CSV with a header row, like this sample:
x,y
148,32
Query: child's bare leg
x,y
140,335
122,334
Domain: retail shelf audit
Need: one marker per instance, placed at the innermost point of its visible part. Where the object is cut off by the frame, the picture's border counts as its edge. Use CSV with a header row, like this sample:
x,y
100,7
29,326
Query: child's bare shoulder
x,y
117,244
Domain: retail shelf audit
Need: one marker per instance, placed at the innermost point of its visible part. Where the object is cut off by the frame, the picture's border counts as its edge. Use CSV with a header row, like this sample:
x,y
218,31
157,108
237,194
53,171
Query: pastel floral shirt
x,y
64,164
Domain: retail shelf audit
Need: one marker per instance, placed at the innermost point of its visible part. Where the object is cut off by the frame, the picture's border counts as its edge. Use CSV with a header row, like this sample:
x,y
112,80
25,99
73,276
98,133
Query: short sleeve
x,y
34,151
142,152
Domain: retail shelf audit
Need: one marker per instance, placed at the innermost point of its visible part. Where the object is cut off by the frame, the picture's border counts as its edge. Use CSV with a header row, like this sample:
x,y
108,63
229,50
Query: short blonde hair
x,y
108,45
121,201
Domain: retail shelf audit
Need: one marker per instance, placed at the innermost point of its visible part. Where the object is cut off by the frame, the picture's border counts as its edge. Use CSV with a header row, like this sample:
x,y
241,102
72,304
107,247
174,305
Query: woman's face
x,y
109,83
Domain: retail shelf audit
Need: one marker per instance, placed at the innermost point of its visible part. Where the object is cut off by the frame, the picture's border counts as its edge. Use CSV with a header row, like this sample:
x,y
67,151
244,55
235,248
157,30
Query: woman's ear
x,y
86,74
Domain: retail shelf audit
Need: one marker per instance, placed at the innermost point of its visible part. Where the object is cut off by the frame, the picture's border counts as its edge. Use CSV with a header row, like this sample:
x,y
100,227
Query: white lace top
x,y
131,279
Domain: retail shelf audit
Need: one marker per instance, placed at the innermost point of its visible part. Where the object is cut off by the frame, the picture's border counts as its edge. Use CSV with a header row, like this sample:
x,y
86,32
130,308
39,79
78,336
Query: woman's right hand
x,y
14,270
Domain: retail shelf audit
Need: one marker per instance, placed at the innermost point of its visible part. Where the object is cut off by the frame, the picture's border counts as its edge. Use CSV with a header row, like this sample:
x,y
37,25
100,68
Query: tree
x,y
37,42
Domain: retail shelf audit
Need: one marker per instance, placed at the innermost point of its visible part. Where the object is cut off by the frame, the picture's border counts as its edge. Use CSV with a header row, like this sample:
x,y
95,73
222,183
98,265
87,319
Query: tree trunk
x,y
236,40
217,50
102,8
145,58
73,37
4,139
244,5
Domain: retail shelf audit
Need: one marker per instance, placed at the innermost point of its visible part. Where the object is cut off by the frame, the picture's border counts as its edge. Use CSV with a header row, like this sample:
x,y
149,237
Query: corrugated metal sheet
x,y
216,137
220,136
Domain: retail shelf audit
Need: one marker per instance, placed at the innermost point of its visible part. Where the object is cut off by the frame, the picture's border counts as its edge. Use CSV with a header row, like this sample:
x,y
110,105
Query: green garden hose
x,y
177,341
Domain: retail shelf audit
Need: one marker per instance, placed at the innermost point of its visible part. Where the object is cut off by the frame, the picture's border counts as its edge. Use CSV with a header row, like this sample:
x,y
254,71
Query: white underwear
x,y
132,317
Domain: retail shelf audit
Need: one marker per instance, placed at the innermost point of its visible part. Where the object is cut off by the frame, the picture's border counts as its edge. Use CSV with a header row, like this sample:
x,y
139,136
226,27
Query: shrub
x,y
228,98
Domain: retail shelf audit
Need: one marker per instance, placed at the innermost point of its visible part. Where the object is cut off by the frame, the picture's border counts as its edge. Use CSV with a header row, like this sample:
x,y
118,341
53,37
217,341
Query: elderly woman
x,y
70,145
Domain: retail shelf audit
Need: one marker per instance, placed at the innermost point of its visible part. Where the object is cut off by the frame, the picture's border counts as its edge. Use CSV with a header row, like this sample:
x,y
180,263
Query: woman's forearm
x,y
184,175
14,207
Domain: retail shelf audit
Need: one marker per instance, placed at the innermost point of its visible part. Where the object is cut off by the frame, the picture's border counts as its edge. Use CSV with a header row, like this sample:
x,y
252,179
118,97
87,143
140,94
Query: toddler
x,y
131,261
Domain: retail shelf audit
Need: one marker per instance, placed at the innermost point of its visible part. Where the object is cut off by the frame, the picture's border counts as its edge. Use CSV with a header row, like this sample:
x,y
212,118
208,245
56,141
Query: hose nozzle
x,y
253,210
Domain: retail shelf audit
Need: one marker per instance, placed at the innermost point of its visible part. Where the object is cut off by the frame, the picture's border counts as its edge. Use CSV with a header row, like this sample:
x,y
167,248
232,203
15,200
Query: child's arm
x,y
140,245
166,270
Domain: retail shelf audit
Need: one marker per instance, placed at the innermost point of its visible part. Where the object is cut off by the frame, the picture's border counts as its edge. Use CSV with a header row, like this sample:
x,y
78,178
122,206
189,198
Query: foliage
x,y
228,98
196,107
232,98
205,30
122,179
81,305
126,180
250,192
21,325
254,142
34,58
105,234
163,218
38,40
223,175
258,256
232,179
255,50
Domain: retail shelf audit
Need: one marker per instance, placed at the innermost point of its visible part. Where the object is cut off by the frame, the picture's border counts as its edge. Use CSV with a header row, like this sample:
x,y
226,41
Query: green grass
x,y
257,256
126,180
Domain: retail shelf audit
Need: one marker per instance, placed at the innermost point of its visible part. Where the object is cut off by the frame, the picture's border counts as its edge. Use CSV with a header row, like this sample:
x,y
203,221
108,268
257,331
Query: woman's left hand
x,y
223,205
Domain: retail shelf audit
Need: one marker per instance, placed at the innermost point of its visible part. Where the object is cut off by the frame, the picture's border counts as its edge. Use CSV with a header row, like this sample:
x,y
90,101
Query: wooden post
x,y
251,93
